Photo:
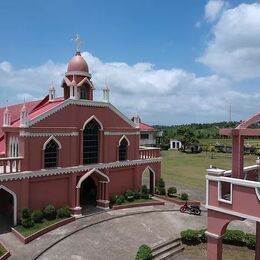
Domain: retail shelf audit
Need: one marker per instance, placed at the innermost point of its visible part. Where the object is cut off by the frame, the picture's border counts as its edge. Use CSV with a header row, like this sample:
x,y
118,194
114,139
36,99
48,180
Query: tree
x,y
186,136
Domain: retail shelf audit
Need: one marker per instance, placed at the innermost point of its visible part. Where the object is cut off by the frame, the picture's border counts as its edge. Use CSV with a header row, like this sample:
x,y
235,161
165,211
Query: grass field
x,y
228,141
190,169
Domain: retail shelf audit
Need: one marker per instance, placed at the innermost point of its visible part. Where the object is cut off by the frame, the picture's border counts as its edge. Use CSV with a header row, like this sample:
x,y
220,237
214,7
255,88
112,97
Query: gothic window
x,y
51,154
123,150
83,93
91,142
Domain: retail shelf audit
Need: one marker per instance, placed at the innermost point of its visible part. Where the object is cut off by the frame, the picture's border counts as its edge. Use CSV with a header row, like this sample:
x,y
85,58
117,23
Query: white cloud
x,y
234,50
159,95
214,8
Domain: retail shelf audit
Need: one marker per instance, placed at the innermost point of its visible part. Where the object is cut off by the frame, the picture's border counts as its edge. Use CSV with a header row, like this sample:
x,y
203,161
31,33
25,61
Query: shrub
x,y
250,241
161,191
137,195
161,183
27,222
184,196
145,196
191,237
37,216
171,191
113,199
144,253
63,212
49,212
234,237
144,189
120,200
202,236
26,213
129,195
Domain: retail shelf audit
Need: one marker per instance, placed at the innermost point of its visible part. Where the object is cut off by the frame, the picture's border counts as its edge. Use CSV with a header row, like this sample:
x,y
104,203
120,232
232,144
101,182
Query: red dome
x,y
77,63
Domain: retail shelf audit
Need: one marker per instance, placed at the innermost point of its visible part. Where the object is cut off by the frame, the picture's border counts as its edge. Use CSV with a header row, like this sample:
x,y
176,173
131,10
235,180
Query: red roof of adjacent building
x,y
145,127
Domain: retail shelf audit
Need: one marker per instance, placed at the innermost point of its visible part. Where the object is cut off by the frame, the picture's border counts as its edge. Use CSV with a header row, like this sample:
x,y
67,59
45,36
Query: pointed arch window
x,y
123,150
51,154
91,142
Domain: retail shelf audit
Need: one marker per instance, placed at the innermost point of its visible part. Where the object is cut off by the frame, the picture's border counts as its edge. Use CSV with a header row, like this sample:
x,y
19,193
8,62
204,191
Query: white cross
x,y
77,42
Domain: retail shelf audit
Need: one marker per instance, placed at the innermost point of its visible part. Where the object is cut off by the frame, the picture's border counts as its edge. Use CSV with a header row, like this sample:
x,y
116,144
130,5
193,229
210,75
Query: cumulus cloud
x,y
165,96
214,8
234,49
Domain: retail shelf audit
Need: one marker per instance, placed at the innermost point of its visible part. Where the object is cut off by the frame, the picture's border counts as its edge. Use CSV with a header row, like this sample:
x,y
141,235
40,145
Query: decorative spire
x,y
6,116
52,92
136,120
24,116
106,93
77,42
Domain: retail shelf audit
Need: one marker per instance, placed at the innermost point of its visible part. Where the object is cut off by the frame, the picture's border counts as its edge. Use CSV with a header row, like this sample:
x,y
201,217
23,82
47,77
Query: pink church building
x,y
233,194
70,150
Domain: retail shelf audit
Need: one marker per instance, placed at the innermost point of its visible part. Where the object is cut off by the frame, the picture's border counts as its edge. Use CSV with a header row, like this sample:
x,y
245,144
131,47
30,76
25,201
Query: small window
x,y
83,93
51,154
225,192
123,150
144,136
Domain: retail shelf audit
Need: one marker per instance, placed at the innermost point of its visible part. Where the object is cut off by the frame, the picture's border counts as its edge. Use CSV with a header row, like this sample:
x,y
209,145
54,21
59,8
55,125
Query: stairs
x,y
167,249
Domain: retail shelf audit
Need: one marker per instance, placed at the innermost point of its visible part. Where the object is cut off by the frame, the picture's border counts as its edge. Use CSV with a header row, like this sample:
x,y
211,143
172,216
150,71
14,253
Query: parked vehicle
x,y
191,209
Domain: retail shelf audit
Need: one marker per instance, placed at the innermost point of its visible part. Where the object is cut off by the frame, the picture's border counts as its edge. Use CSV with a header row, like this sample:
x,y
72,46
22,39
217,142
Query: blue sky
x,y
170,61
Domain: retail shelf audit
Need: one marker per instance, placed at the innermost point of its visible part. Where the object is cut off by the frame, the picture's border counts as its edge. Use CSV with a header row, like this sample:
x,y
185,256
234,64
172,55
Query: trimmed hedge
x,y
144,253
120,200
184,196
231,237
171,191
63,212
37,216
49,212
129,195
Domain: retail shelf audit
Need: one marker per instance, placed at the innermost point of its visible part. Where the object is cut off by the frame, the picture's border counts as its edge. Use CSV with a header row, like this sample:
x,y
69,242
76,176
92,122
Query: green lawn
x,y
228,141
2,250
37,226
190,169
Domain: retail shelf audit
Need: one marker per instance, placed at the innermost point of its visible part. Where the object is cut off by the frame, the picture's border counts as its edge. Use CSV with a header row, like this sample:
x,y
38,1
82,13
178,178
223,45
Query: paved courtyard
x,y
108,235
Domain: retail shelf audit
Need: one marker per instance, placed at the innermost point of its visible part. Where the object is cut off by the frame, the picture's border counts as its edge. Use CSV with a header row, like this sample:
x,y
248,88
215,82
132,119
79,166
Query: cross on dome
x,y
77,42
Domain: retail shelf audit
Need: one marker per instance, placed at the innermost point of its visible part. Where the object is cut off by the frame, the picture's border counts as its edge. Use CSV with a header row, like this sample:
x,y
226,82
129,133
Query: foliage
x,y
184,196
144,253
120,200
144,189
234,237
113,199
161,183
160,190
137,195
26,213
186,136
192,236
49,212
63,212
145,196
171,191
129,195
37,216
27,222
250,241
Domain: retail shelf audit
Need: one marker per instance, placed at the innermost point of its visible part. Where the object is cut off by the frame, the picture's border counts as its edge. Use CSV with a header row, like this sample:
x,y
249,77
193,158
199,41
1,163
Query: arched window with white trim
x,y
51,154
122,151
91,142
13,147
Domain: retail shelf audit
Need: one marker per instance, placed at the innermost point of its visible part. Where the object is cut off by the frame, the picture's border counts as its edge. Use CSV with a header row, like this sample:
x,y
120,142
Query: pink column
x,y
77,197
81,147
214,248
101,146
257,246
237,155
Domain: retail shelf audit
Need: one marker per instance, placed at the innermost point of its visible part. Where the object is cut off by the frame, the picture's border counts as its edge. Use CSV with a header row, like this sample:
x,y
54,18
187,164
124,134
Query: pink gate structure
x,y
234,194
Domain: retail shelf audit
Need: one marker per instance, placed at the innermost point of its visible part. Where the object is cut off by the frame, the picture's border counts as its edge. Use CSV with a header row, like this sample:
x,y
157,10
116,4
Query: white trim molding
x,y
87,174
91,118
153,172
209,234
220,198
257,192
122,138
70,170
121,133
15,203
49,139
80,102
28,134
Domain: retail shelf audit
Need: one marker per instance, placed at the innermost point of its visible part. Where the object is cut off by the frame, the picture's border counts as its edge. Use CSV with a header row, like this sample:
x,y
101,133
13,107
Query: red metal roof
x,y
145,127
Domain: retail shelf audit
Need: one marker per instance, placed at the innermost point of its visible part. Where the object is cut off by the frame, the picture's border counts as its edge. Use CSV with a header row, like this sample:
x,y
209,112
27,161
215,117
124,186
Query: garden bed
x,y
4,253
177,200
26,235
138,203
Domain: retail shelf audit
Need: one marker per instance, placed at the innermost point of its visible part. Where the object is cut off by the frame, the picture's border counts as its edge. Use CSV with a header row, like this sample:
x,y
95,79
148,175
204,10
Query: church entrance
x,y
88,195
148,179
6,211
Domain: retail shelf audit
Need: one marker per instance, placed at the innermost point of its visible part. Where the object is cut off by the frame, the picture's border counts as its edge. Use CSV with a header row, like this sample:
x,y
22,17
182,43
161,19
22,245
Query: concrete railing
x,y
10,164
148,152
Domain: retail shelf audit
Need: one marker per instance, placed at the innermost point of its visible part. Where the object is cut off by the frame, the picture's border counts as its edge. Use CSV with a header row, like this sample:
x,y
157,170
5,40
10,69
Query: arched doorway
x,y
88,194
148,179
7,210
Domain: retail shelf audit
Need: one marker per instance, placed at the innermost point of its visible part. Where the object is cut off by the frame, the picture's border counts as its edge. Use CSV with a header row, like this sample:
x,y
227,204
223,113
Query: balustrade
x,y
10,164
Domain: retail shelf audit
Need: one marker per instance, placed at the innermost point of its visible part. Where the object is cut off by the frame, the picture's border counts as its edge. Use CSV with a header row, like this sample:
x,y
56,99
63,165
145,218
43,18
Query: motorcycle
x,y
191,209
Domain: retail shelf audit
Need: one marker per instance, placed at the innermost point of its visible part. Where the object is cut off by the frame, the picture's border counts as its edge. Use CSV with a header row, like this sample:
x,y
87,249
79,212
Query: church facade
x,y
70,150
